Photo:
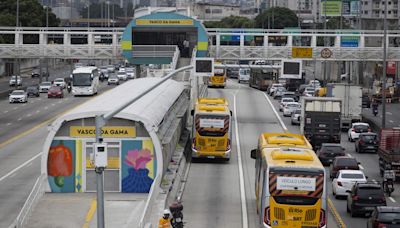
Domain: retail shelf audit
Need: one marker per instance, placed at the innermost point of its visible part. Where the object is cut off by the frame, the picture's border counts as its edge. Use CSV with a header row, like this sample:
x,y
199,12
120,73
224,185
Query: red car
x,y
55,91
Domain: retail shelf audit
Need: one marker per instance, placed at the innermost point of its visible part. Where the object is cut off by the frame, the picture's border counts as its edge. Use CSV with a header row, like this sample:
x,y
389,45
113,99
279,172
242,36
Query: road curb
x,y
336,215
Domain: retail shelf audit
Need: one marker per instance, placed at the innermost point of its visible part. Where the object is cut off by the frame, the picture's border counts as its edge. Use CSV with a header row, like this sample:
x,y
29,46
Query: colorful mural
x,y
138,166
61,166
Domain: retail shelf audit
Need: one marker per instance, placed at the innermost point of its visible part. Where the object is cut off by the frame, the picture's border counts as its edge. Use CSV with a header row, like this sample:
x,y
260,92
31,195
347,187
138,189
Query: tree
x,y
31,14
231,22
276,18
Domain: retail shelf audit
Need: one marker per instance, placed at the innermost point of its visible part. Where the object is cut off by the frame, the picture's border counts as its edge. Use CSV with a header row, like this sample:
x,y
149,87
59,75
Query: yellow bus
x,y
211,129
218,79
290,182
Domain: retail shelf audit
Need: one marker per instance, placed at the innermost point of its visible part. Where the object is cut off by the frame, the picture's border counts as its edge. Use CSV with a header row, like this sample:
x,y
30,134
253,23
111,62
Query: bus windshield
x,y
81,80
212,125
296,186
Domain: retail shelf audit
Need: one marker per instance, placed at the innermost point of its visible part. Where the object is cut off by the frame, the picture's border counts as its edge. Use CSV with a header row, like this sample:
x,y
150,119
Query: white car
x,y
19,96
295,118
60,82
356,129
111,68
279,92
122,76
244,75
113,80
15,81
274,87
290,107
284,101
315,83
44,87
130,72
345,180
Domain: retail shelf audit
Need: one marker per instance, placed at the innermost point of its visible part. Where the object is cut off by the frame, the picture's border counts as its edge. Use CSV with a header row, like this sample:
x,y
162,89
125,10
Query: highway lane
x,y
212,196
369,164
392,115
16,186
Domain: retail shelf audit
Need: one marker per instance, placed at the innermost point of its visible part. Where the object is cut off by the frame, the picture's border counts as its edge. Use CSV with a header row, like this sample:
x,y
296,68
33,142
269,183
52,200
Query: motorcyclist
x,y
375,107
388,181
69,87
165,221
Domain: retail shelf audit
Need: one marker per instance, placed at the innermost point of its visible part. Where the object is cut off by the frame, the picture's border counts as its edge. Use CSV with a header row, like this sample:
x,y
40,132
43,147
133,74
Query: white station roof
x,y
149,109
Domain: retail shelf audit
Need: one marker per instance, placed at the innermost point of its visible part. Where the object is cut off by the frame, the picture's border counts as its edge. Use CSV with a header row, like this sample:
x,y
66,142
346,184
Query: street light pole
x,y
17,17
47,16
88,13
384,68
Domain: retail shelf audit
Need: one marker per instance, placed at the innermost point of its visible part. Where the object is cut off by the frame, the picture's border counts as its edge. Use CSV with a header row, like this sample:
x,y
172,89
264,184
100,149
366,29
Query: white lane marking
x,y
15,108
391,121
8,124
5,111
39,99
24,104
393,200
29,115
13,175
45,108
19,167
37,111
29,164
241,175
361,167
350,155
19,119
59,102
389,113
53,104
276,113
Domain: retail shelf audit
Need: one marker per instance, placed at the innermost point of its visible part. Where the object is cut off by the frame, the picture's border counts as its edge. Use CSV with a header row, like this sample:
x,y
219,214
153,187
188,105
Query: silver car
x,y
19,96
113,79
44,87
295,118
279,92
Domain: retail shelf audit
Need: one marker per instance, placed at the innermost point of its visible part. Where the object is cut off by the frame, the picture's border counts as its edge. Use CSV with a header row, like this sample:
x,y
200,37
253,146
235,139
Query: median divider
x,y
336,215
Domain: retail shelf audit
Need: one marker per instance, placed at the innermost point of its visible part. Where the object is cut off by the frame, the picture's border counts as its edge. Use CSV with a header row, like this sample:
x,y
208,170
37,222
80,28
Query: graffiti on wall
x,y
138,165
61,166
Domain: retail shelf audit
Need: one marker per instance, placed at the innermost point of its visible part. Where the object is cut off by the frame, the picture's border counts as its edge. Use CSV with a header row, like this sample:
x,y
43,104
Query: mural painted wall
x,y
138,166
61,166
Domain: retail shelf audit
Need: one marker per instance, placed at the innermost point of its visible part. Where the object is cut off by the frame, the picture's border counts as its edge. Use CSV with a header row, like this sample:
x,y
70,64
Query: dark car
x,y
55,91
364,197
388,217
342,162
328,152
232,72
367,142
366,102
33,91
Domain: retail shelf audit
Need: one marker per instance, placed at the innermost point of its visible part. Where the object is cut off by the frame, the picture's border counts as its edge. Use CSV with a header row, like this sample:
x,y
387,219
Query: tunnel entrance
x,y
165,36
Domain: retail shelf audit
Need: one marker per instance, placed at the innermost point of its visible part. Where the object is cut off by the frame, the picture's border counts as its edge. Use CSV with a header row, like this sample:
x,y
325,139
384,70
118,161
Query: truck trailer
x,y
389,150
320,120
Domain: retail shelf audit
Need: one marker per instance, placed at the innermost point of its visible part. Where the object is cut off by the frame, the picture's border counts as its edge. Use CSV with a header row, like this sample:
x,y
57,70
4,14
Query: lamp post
x,y
17,16
384,68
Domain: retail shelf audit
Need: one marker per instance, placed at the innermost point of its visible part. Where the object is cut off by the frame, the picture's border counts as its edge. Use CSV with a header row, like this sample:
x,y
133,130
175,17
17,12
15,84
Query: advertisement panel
x,y
331,8
296,183
212,123
301,52
350,7
349,41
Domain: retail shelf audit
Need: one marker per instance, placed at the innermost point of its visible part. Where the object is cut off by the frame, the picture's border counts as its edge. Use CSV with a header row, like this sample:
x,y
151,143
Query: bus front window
x,y
81,80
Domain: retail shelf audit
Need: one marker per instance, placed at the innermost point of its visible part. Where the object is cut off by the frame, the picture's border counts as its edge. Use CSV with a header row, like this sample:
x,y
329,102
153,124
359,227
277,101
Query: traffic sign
x,y
301,52
326,53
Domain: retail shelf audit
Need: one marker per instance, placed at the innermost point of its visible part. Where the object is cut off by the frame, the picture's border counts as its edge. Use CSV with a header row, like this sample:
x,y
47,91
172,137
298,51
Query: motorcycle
x,y
69,88
375,111
388,180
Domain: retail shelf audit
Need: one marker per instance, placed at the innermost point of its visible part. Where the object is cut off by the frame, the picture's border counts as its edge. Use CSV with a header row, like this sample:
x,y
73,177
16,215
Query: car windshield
x,y
352,176
332,149
347,162
55,88
361,128
392,217
369,137
17,93
31,89
82,79
59,80
369,191
244,71
45,84
292,105
15,77
285,100
121,73
298,111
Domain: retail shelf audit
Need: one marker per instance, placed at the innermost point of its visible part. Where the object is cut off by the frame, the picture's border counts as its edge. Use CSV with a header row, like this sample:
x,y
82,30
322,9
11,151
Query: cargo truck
x,y
389,150
351,96
320,120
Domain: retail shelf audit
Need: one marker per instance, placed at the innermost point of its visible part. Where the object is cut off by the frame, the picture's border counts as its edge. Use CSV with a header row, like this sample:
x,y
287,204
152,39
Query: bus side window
x,y
230,112
192,112
253,153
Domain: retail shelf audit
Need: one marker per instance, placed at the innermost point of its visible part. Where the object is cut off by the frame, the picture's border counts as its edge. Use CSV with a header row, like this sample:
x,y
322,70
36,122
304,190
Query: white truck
x,y
351,96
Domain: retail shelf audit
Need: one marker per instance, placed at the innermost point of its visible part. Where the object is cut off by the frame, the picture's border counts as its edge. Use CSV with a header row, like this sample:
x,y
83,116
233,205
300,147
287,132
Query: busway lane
x,y
255,116
369,165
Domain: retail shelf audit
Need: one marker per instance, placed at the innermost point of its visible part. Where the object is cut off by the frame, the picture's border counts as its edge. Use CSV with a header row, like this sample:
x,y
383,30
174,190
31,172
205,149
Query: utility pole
x,y
384,68
47,16
17,17
88,13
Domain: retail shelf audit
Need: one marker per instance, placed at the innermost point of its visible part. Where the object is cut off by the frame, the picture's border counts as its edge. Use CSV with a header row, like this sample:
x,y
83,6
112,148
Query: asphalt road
x,y
212,196
20,160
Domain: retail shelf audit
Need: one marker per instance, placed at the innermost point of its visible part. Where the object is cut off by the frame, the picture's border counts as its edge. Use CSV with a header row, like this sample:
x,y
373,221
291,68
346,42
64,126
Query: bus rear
x,y
211,132
218,79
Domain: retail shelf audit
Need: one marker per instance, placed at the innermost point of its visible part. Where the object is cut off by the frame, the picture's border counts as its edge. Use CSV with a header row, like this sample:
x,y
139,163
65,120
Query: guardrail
x,y
34,196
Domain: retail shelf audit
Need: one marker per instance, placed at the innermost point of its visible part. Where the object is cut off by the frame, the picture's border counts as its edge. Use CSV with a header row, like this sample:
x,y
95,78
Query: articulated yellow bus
x,y
218,79
290,183
211,129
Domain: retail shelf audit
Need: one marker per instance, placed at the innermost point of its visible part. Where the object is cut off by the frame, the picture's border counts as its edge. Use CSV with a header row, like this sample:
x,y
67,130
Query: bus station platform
x,y
70,210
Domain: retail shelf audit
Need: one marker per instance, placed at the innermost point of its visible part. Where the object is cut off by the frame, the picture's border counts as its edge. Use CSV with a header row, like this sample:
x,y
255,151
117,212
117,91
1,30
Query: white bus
x,y
85,81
